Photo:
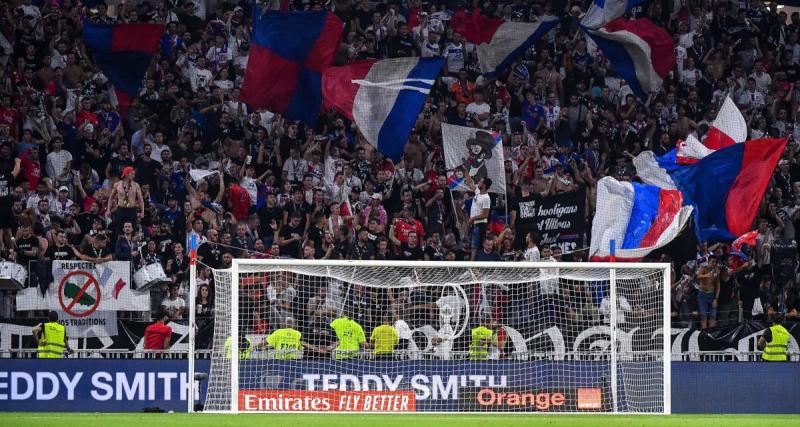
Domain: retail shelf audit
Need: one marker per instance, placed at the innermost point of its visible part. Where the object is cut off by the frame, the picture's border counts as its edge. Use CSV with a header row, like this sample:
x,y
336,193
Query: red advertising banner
x,y
326,401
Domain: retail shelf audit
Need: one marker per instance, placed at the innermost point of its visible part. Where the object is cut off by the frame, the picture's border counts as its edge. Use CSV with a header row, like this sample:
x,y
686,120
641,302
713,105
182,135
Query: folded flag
x,y
638,217
690,151
602,12
740,246
729,127
499,43
198,175
383,98
289,53
641,52
123,52
726,186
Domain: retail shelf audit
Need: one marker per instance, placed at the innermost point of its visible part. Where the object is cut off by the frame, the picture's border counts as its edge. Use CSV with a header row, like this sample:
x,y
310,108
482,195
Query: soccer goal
x,y
356,336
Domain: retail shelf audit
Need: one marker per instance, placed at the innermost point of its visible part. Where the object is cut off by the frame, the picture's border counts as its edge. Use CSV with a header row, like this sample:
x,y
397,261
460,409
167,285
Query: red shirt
x,y
31,170
403,227
239,202
85,116
156,335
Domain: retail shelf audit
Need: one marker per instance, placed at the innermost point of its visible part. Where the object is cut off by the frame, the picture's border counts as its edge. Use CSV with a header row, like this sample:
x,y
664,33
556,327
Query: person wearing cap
x,y
374,210
61,204
774,342
125,202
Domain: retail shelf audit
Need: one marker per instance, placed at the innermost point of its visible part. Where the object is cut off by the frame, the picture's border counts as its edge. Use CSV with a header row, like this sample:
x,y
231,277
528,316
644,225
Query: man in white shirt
x,y
762,78
479,211
454,55
750,98
480,110
59,161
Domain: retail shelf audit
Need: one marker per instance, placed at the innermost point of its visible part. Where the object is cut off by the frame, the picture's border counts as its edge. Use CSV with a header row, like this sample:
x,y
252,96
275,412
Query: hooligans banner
x,y
558,220
83,293
475,152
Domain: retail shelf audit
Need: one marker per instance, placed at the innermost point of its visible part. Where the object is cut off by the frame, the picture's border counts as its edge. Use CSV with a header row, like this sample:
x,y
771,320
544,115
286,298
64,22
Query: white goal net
x,y
440,337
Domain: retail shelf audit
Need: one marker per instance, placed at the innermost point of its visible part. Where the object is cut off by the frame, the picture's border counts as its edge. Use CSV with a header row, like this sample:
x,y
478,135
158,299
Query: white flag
x,y
198,174
476,152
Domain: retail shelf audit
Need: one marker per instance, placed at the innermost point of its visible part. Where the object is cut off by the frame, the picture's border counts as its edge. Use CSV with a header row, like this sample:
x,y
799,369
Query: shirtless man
x,y
125,202
707,279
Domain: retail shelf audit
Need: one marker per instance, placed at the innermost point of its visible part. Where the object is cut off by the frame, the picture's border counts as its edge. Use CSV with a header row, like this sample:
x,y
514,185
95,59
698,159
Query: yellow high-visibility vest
x,y
52,345
775,350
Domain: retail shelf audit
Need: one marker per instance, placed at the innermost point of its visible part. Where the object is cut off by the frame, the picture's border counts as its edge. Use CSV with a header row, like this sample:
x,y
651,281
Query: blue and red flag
x,y
124,53
640,51
289,52
724,187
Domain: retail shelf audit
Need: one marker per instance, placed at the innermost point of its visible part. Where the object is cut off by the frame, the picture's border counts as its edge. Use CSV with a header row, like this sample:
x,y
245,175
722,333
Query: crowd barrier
x,y
136,385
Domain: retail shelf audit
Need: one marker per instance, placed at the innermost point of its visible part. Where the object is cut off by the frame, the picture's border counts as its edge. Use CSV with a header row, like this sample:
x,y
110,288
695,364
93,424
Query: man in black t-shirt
x,y
27,245
210,252
290,237
362,249
301,207
61,250
410,251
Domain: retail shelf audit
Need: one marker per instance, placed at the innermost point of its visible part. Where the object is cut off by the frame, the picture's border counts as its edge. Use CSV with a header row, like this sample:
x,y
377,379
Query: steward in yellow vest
x,y
775,341
482,337
51,338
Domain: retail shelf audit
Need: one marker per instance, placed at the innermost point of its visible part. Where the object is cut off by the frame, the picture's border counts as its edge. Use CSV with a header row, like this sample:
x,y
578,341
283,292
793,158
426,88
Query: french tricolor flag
x,y
639,218
641,52
724,187
499,43
383,98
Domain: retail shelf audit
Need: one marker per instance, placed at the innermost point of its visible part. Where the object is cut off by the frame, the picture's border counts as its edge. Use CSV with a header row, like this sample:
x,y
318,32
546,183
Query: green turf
x,y
339,420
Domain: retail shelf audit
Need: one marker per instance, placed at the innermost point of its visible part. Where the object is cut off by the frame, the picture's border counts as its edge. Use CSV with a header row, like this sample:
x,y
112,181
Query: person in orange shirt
x,y
463,90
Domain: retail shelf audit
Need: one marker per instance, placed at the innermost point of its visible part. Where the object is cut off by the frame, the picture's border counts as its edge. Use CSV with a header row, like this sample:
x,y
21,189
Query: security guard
x,y
350,338
287,341
384,339
245,347
482,337
51,338
775,341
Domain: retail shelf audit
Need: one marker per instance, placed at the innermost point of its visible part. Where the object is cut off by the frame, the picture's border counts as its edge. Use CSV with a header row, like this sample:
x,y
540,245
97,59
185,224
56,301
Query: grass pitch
x,y
346,420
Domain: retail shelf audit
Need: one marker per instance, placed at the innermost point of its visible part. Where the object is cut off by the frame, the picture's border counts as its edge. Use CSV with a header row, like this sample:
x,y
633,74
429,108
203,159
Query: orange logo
x,y
590,398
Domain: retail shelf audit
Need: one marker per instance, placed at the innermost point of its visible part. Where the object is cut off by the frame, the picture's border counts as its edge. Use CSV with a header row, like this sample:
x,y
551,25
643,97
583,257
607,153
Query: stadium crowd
x,y
191,159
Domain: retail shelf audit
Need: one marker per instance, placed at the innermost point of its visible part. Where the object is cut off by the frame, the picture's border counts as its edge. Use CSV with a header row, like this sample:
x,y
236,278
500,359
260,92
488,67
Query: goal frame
x,y
610,266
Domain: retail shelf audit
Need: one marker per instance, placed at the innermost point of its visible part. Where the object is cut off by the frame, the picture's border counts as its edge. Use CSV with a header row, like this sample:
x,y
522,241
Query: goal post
x,y
392,336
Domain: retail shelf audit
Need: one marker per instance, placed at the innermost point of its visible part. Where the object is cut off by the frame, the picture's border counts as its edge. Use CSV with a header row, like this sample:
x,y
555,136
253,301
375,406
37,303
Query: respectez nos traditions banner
x,y
86,296
558,220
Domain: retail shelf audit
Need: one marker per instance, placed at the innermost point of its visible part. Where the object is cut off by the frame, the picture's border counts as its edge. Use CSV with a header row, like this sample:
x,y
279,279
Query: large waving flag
x,y
729,127
383,98
724,187
641,52
638,217
123,52
290,52
602,12
499,42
